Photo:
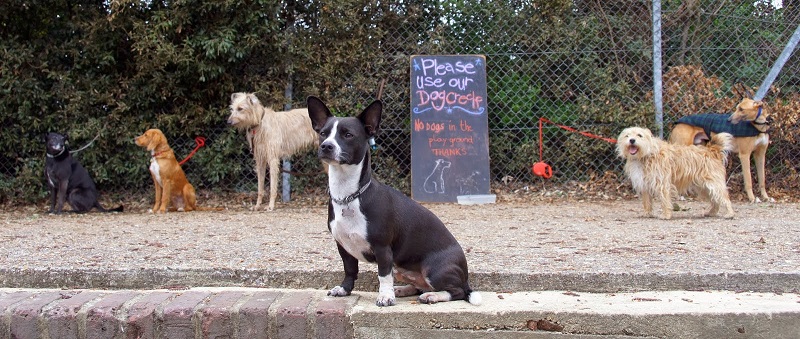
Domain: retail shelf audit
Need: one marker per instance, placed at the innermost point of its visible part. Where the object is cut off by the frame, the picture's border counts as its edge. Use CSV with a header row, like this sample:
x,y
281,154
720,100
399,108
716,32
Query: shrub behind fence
x,y
118,68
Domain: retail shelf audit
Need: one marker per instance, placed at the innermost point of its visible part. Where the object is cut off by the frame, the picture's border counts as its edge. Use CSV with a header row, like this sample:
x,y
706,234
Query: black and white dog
x,y
68,180
375,223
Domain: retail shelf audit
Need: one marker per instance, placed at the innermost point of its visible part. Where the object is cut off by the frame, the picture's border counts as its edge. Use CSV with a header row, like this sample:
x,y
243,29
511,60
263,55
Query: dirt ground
x,y
547,234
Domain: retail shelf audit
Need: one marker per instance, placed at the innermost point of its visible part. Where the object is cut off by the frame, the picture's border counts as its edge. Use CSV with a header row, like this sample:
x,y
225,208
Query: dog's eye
x,y
348,135
323,133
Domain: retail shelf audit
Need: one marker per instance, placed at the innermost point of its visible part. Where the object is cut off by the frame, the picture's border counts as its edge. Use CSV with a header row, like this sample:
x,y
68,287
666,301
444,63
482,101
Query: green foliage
x,y
113,69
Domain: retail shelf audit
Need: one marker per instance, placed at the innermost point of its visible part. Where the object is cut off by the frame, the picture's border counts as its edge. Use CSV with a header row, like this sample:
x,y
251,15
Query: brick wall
x,y
195,313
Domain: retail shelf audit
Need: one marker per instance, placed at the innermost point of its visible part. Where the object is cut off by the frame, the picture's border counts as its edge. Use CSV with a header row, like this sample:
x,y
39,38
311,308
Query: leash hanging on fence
x,y
541,168
200,141
85,146
90,142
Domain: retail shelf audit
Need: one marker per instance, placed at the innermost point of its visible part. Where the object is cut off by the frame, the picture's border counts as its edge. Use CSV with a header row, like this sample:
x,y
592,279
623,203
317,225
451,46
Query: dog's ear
x,y
318,112
371,117
151,139
253,99
236,96
740,113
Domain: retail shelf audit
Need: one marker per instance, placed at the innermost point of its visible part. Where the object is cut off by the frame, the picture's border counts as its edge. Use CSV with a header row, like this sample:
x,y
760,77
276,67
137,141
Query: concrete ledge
x,y
283,313
321,279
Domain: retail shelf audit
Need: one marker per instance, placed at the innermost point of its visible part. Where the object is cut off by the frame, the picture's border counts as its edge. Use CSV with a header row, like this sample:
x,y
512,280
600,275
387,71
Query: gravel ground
x,y
557,237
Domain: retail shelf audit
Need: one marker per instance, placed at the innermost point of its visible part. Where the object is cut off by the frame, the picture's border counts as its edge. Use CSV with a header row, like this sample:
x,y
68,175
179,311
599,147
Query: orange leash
x,y
200,141
541,168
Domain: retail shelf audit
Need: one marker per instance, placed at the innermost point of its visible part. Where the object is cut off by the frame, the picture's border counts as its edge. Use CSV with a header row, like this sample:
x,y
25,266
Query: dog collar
x,y
158,153
348,199
59,153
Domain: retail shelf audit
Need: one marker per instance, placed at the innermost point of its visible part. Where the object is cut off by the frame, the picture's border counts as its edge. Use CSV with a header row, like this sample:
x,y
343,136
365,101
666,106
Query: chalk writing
x,y
449,125
445,86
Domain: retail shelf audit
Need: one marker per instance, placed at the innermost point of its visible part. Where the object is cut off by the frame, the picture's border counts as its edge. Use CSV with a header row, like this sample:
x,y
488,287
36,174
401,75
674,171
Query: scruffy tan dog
x,y
272,136
749,125
660,169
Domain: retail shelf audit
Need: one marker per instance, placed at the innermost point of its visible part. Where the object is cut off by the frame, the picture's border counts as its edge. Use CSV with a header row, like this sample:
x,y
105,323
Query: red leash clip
x,y
200,141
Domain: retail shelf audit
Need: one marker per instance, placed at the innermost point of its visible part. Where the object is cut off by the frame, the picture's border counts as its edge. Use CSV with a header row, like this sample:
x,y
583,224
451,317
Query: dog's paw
x,y
385,299
434,297
404,291
338,291
766,199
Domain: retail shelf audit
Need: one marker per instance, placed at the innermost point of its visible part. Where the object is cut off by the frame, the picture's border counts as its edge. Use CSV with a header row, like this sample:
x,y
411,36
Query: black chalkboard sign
x,y
449,127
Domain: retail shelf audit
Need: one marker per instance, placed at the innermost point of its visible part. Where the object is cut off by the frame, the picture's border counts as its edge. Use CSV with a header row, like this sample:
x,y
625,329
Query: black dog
x,y
68,180
375,223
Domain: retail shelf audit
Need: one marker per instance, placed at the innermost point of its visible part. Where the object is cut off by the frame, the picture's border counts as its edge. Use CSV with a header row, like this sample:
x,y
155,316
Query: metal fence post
x,y
776,68
658,86
286,187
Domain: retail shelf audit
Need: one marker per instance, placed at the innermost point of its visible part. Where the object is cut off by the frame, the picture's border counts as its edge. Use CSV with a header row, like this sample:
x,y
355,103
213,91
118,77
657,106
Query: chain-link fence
x,y
586,64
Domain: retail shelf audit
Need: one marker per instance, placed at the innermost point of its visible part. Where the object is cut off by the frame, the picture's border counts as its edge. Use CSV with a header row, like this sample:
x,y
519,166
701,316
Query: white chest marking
x,y
351,231
155,170
349,225
635,172
763,139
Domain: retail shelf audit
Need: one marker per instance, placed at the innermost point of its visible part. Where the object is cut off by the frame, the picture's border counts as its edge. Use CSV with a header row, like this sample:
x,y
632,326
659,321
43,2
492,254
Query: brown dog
x,y
168,177
752,115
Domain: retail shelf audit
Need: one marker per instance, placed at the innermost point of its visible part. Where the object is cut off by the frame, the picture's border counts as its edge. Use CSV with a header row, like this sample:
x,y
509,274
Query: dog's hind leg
x,y
82,200
447,285
714,208
723,199
189,198
274,170
405,291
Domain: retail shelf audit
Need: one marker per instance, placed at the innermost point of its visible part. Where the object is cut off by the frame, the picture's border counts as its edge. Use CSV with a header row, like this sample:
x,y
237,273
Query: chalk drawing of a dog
x,y
434,183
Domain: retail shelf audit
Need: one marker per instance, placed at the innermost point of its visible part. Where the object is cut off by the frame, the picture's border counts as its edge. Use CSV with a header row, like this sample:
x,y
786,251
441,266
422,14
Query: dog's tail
x,y
198,208
721,143
473,297
100,208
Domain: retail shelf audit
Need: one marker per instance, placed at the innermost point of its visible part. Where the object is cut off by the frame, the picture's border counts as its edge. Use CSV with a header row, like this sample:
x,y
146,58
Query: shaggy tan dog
x,y
752,113
272,136
660,169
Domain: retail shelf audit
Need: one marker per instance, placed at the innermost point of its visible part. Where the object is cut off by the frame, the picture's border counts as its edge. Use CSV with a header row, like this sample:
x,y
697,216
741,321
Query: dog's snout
x,y
632,141
326,147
